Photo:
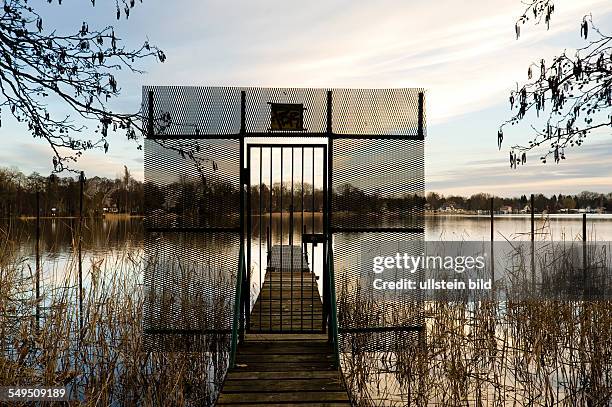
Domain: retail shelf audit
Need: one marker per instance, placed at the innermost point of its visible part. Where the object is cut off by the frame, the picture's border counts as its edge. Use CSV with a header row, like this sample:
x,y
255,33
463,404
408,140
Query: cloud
x,y
587,167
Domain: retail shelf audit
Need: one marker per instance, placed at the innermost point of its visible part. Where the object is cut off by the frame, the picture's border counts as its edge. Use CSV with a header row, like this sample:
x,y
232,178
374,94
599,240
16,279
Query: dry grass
x,y
109,361
497,351
487,352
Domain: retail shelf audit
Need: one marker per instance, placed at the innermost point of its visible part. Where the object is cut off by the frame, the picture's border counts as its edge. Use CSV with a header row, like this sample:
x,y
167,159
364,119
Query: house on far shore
x,y
526,209
447,208
506,209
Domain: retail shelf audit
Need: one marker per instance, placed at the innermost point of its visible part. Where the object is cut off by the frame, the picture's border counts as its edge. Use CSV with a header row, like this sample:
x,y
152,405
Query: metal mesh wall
x,y
372,318
192,203
377,112
378,183
192,183
190,280
377,199
193,110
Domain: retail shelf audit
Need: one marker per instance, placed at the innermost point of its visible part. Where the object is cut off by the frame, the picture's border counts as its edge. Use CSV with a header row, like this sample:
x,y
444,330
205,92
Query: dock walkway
x,y
285,360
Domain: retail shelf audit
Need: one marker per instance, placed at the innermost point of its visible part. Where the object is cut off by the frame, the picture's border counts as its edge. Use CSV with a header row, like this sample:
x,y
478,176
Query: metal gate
x,y
286,234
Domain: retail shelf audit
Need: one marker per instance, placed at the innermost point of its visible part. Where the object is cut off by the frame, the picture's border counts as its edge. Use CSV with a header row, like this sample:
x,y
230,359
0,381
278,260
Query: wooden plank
x,y
281,359
314,300
333,404
264,329
286,366
307,396
286,337
276,308
284,349
308,330
278,375
303,319
329,384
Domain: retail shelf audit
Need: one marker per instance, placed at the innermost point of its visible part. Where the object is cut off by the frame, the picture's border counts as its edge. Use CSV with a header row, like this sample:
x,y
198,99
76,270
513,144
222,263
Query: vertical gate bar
x,y
269,270
242,237
330,194
325,312
312,261
291,239
302,249
248,239
282,238
260,226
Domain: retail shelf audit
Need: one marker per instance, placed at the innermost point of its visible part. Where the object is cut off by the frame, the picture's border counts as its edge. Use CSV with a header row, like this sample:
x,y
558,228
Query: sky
x,y
463,52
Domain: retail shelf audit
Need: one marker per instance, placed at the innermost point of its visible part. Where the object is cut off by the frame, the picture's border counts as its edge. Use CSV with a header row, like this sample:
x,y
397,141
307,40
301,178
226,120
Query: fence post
x,y
584,250
492,237
81,182
532,213
37,259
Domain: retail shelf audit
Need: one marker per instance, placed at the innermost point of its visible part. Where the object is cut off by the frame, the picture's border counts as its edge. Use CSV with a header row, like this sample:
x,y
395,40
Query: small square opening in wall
x,y
287,116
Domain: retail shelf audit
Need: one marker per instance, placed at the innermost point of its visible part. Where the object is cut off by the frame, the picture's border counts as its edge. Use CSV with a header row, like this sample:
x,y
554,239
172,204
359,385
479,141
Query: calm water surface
x,y
121,239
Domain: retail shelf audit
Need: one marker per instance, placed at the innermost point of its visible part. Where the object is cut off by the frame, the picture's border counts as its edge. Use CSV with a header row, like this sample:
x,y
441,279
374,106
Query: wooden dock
x,y
276,365
289,300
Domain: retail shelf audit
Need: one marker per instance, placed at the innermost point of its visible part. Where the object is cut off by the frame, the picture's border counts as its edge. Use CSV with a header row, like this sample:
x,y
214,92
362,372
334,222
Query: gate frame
x,y
326,235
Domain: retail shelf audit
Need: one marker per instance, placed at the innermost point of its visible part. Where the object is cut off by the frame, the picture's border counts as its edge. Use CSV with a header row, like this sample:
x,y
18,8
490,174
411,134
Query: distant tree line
x,y
551,204
59,196
203,202
345,198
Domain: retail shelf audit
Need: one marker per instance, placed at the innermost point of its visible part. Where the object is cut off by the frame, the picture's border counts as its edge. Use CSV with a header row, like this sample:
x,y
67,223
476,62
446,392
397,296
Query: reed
x,y
511,350
109,361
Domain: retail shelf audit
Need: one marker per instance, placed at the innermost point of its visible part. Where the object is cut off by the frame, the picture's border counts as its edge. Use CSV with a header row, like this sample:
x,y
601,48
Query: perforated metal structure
x,y
194,161
192,202
377,183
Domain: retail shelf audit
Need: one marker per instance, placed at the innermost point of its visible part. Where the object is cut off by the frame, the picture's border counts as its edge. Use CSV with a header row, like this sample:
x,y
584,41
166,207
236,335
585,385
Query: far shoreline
x,y
104,216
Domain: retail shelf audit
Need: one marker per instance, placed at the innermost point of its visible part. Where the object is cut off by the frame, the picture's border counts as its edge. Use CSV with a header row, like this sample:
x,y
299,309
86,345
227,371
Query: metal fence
x,y
195,196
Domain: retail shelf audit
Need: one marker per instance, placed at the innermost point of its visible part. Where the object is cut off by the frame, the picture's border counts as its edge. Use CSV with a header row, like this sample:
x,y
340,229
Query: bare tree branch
x,y
573,91
37,66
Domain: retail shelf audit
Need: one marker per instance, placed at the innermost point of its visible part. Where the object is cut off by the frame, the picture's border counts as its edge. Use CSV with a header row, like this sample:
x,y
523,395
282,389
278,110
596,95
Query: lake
x,y
110,239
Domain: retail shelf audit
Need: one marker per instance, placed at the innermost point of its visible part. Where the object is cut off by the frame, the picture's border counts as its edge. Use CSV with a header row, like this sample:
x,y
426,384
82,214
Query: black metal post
x,y
421,114
312,262
291,237
302,249
281,239
492,239
326,278
260,229
249,220
327,305
37,259
81,182
245,293
584,251
270,237
532,212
